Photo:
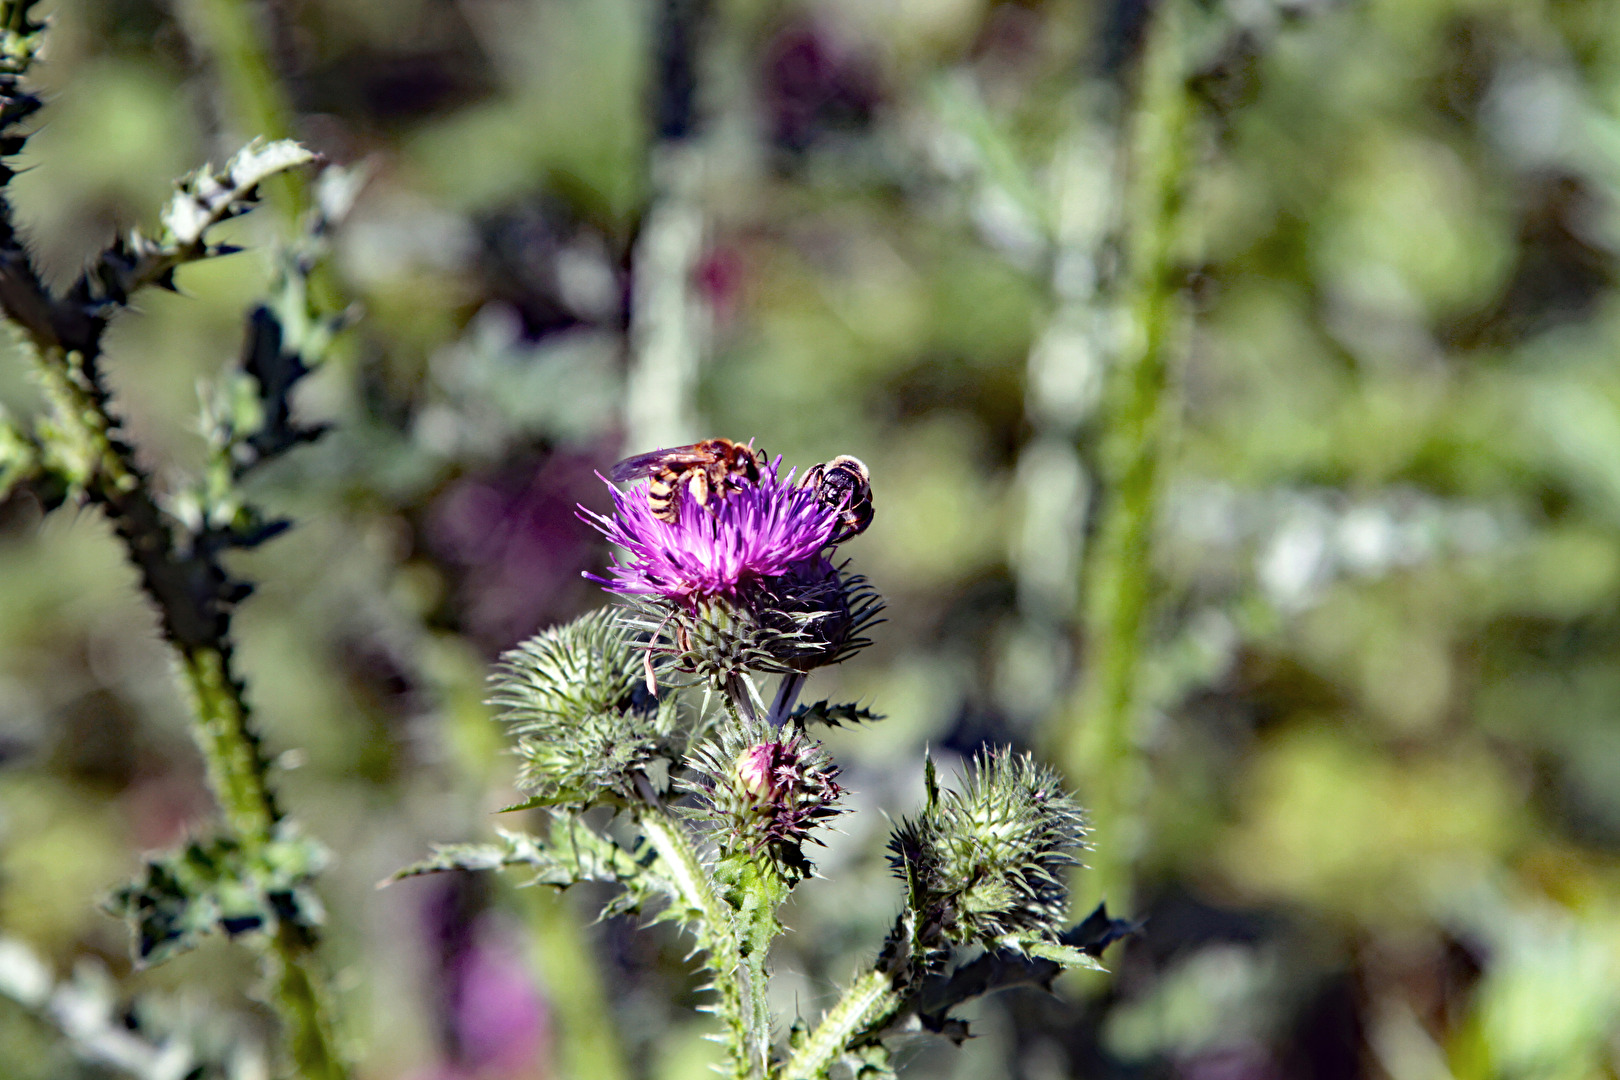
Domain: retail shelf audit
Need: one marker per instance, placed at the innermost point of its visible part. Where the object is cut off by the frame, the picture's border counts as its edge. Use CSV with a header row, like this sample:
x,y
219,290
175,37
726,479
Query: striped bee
x,y
845,483
712,467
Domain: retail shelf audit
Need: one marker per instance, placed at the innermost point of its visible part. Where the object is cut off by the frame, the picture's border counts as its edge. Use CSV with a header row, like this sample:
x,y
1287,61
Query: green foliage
x,y
201,202
870,1061
153,1038
221,885
23,461
1370,577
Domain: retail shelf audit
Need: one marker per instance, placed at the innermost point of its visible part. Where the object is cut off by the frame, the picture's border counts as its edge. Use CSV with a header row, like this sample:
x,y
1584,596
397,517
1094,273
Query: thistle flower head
x,y
986,864
714,548
740,580
576,698
765,791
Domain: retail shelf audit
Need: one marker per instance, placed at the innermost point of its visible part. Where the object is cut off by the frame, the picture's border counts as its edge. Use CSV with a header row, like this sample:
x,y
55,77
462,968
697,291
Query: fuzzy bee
x,y
713,467
844,483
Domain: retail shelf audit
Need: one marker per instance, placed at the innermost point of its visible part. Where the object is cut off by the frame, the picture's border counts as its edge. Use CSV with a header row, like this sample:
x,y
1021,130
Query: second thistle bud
x,y
987,863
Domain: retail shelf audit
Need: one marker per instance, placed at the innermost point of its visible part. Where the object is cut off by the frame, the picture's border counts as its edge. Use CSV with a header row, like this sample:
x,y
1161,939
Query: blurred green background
x,y
1375,740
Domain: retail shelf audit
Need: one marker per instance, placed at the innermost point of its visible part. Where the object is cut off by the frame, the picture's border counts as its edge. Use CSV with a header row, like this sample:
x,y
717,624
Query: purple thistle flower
x,y
713,549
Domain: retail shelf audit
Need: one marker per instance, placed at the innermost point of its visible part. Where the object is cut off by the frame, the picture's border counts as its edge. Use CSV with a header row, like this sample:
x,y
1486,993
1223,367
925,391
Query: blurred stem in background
x,y
668,328
562,954
256,102
1062,385
588,1046
1100,742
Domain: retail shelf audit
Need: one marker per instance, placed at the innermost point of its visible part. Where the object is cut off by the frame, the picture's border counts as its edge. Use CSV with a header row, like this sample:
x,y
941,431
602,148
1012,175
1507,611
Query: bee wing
x,y
634,468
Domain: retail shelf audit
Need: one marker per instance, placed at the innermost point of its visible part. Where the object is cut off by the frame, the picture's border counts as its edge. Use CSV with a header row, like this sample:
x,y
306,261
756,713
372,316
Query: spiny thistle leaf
x,y
575,696
203,200
822,712
1034,964
220,885
571,852
248,414
986,864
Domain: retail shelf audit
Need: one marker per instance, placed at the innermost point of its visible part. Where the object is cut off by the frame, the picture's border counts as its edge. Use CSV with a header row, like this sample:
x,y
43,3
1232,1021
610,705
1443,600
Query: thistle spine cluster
x,y
986,864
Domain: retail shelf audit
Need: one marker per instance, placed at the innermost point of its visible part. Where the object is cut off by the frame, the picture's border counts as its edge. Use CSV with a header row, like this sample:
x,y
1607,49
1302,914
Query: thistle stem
x,y
716,933
197,628
756,982
870,1001
740,694
787,696
230,748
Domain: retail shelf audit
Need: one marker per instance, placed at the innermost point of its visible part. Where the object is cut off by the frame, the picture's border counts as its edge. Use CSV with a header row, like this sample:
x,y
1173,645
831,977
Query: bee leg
x,y
652,678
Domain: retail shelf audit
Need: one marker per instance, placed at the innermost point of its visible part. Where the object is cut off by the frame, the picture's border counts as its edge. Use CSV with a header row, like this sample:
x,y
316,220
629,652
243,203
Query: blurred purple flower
x,y
500,1018
495,1022
511,547
712,549
816,85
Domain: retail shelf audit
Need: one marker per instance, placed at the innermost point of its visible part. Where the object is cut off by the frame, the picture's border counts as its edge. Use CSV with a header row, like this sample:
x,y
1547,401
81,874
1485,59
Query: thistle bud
x,y
576,698
986,864
765,792
755,769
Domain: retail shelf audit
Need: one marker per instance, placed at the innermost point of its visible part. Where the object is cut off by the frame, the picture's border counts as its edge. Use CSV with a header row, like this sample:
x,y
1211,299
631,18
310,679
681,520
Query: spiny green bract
x,y
986,864
576,698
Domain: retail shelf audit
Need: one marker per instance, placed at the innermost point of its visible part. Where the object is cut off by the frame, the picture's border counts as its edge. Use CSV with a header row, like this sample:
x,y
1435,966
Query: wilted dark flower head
x,y
713,549
764,791
576,698
987,864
